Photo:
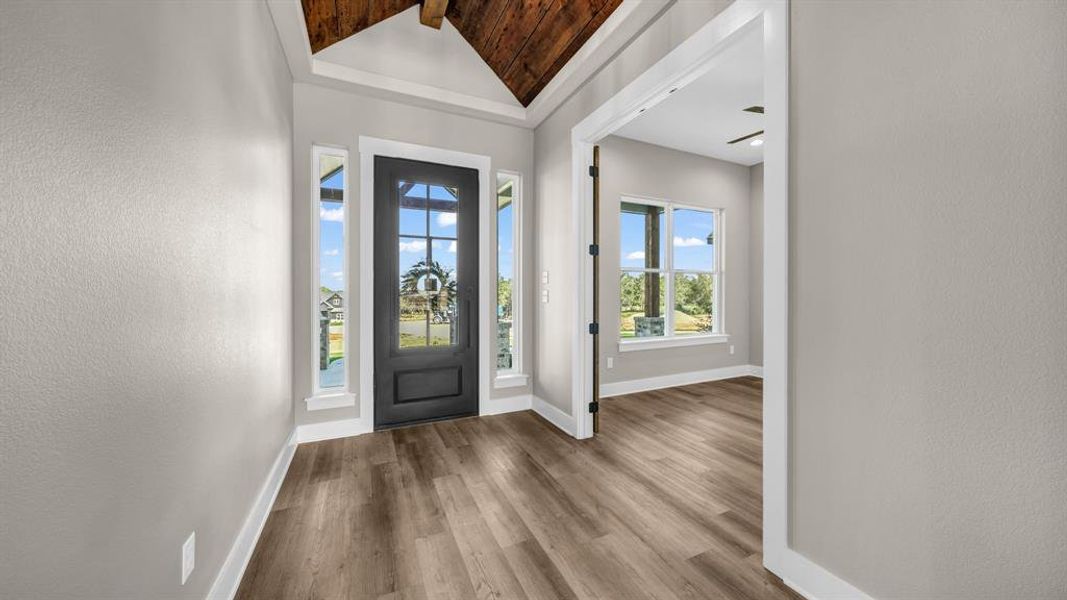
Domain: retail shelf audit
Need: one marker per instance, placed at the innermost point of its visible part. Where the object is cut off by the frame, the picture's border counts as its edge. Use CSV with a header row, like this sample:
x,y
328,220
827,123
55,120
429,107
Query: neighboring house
x,y
332,304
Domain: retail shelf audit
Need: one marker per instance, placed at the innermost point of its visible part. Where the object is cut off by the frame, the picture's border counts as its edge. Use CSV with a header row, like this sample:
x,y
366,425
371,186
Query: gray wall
x,y
326,116
755,265
929,295
554,329
630,167
144,363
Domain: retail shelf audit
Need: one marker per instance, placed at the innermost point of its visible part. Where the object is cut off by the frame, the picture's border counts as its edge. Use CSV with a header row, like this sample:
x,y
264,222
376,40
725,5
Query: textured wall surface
x,y
145,328
326,116
552,147
929,296
755,265
631,167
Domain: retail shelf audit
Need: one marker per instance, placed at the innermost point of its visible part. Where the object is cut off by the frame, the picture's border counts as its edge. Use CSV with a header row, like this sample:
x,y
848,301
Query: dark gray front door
x,y
425,291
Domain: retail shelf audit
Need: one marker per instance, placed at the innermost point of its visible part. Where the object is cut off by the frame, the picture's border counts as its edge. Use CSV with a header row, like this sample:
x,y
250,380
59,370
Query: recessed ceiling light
x,y
756,142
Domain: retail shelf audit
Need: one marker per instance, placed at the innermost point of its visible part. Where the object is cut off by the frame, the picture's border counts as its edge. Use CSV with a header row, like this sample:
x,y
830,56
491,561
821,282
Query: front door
x,y
425,292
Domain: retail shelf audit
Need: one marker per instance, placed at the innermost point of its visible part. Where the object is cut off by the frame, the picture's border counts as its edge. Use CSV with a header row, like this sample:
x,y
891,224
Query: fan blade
x,y
754,109
743,138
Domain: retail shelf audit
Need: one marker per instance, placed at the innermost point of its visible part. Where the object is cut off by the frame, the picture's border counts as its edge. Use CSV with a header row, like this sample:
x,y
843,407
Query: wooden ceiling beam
x,y
433,13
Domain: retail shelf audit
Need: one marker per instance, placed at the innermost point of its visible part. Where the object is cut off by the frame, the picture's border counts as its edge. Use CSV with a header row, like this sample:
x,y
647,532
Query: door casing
x,y
369,147
679,67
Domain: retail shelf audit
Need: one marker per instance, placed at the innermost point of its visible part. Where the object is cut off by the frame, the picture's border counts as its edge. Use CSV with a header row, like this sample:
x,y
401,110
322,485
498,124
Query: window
x,y
331,289
508,280
686,276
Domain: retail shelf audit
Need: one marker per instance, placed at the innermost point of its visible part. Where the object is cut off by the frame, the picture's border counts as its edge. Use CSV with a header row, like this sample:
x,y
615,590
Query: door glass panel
x,y
427,265
443,299
443,223
443,193
412,221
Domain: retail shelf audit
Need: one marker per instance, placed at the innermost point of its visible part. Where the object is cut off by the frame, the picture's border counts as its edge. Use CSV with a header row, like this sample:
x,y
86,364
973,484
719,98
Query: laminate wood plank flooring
x,y
664,503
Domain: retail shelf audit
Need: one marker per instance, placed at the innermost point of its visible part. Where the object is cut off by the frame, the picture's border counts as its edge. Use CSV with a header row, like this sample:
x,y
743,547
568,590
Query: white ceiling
x,y
401,60
701,117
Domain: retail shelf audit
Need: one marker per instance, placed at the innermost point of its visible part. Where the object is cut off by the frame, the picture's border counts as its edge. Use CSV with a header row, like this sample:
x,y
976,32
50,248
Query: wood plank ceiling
x,y
525,42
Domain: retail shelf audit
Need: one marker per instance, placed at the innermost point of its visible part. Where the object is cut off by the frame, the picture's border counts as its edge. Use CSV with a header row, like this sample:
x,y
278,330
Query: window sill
x,y
510,380
636,345
328,400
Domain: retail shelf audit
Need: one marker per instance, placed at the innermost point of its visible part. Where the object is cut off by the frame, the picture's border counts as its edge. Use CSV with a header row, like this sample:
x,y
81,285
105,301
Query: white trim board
x,y
814,582
499,406
554,415
632,386
331,430
233,569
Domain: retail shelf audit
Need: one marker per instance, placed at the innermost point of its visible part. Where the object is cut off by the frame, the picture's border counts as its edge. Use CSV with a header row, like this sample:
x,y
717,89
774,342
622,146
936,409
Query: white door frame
x,y
370,147
688,61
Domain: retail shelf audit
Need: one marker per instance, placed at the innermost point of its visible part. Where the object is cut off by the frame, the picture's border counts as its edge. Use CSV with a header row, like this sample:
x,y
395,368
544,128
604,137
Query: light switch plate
x,y
188,556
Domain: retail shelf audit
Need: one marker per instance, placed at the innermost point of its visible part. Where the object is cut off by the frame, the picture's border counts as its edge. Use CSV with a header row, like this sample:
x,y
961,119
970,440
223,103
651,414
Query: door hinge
x,y
594,407
594,250
594,328
594,171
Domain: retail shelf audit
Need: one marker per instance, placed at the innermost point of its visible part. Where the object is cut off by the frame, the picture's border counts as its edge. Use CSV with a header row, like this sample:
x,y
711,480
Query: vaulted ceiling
x,y
525,42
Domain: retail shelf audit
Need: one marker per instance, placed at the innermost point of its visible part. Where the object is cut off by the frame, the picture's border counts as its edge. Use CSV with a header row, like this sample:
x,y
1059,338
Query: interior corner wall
x,y
928,242
326,116
554,327
755,265
146,325
629,167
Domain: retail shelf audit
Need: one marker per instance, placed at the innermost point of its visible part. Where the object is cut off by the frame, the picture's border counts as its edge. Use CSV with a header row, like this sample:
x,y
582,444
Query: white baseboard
x,y
329,430
665,381
498,406
813,581
229,576
756,371
554,415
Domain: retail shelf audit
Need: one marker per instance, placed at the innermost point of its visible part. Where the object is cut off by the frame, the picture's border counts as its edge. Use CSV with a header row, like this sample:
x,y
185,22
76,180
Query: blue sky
x,y
690,243
331,240
413,223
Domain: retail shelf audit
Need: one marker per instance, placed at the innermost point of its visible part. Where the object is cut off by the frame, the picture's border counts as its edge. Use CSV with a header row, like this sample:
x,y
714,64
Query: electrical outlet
x,y
611,362
188,556
544,296
731,348
544,277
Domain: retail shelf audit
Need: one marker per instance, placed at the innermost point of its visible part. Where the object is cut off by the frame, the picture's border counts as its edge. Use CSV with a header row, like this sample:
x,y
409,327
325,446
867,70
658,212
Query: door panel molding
x,y
370,147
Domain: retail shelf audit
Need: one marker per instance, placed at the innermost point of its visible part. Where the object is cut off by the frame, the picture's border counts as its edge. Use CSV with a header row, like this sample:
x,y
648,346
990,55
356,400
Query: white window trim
x,y
657,343
339,397
507,379
718,333
515,376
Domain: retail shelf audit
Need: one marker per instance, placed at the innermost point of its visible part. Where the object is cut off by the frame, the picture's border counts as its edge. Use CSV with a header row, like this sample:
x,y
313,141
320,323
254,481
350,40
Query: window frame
x,y
515,376
666,269
340,396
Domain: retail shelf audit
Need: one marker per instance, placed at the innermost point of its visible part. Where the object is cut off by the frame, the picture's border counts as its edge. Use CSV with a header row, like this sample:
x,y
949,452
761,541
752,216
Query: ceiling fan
x,y
751,109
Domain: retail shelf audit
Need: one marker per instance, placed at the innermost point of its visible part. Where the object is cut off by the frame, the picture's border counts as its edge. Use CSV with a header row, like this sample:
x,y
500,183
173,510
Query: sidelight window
x,y
330,294
508,279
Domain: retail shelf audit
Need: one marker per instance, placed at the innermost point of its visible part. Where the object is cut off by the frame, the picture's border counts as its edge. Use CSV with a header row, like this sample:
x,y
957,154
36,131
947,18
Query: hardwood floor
x,y
663,503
